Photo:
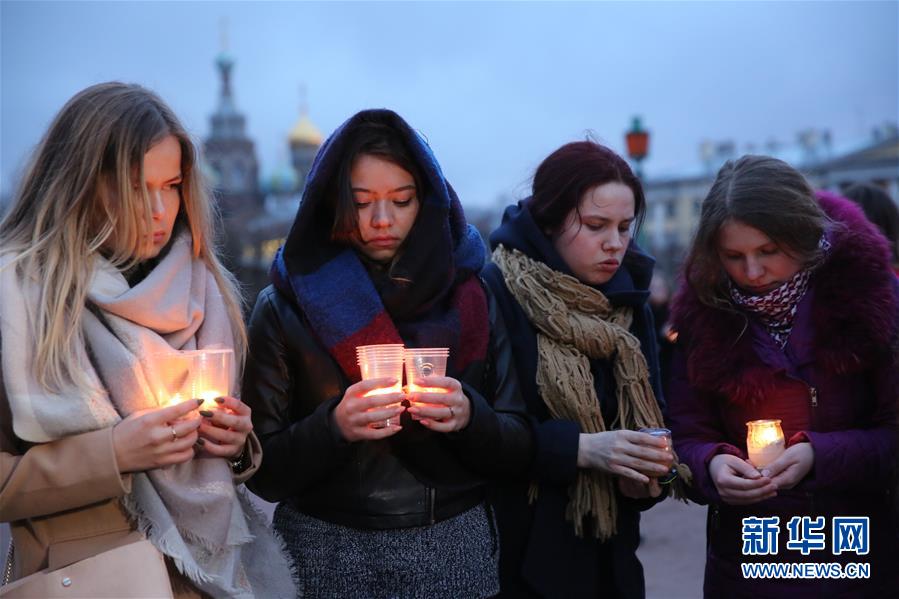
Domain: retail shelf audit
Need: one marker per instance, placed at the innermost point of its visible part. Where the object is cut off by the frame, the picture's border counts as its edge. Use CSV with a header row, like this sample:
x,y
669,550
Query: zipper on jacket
x,y
431,501
715,517
813,393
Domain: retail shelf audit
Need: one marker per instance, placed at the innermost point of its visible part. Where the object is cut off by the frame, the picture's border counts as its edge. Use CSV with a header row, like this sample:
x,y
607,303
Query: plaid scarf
x,y
345,310
776,309
191,512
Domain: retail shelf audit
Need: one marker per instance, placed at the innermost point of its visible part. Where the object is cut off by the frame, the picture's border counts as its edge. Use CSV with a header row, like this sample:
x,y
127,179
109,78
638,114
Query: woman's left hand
x,y
791,466
637,490
224,429
445,409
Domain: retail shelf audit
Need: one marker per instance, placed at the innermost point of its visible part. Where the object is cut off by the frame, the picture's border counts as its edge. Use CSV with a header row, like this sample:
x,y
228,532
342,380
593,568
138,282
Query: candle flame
x,y
768,435
208,398
413,388
764,442
382,391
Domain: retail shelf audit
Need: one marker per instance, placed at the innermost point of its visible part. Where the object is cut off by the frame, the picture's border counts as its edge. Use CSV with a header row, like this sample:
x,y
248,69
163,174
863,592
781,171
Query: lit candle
x,y
383,391
208,398
199,374
764,441
413,388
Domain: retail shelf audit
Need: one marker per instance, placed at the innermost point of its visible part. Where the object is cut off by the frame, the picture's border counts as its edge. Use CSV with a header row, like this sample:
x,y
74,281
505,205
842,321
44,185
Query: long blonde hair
x,y
79,195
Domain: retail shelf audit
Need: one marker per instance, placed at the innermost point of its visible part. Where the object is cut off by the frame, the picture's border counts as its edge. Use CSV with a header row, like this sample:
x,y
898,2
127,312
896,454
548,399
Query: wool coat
x,y
62,499
834,385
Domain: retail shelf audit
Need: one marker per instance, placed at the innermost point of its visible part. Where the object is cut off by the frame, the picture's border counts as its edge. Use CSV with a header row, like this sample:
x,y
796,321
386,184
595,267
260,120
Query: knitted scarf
x,y
576,323
191,512
777,308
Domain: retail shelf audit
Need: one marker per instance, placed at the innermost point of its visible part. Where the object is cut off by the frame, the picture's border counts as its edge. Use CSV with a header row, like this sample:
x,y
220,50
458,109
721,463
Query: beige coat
x,y
62,498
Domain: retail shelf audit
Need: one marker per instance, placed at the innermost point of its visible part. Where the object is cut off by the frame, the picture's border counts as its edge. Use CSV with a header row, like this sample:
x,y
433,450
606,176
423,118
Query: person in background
x,y
572,286
660,304
880,210
380,253
107,262
789,311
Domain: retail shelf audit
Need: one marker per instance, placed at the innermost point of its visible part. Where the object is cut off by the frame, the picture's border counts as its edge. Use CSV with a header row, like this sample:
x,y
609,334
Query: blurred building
x,y
256,213
304,141
673,202
230,153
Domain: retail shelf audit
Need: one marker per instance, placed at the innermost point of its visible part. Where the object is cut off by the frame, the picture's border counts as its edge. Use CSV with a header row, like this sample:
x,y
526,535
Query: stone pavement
x,y
672,550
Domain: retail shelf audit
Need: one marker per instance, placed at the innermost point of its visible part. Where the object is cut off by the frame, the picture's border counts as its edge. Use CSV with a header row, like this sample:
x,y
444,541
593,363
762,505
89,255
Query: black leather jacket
x,y
417,477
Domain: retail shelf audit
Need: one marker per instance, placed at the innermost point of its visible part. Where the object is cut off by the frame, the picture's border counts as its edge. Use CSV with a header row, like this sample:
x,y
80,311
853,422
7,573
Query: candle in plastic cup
x,y
377,362
193,374
425,361
664,433
764,441
659,432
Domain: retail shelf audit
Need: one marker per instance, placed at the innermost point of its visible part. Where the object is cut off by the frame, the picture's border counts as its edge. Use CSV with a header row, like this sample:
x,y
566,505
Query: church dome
x,y
304,132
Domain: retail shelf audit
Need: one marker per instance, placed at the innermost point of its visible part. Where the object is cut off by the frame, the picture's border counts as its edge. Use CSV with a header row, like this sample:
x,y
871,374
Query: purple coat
x,y
835,384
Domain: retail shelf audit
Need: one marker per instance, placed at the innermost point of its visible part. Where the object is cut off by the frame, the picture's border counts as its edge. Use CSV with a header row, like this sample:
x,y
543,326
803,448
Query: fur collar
x,y
854,315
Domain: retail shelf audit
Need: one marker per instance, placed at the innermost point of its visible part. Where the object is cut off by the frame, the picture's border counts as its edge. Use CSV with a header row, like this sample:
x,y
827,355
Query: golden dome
x,y
304,132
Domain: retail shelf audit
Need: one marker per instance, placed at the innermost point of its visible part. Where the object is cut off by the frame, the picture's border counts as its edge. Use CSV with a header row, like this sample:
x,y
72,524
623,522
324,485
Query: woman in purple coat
x,y
789,311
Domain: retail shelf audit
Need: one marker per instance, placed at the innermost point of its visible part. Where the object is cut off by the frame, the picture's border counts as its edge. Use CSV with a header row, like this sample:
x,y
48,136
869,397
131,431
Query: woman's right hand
x,y
626,453
355,414
155,438
738,482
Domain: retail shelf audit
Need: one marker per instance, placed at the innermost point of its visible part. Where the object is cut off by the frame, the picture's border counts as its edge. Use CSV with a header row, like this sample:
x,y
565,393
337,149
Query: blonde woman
x,y
108,260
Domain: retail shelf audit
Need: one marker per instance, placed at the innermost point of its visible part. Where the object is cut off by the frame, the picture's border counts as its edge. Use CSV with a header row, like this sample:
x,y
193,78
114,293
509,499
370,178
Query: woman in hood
x,y
789,312
573,288
107,266
380,253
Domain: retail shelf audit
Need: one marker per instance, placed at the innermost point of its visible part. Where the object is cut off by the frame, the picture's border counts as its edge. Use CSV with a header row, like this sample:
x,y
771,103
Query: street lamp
x,y
637,143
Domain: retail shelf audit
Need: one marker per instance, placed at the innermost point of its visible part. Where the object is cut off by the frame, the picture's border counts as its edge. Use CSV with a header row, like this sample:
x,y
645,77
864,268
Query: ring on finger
x,y
174,435
452,413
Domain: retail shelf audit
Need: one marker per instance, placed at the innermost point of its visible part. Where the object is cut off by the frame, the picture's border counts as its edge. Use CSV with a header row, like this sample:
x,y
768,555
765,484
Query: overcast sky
x,y
494,87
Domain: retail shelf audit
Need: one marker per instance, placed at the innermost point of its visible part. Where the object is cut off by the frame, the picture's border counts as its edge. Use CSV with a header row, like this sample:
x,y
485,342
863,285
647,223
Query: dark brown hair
x,y
372,139
880,209
567,174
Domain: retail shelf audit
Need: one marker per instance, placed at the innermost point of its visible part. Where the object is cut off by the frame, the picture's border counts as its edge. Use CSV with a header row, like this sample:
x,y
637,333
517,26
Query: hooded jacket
x,y
835,385
294,377
540,553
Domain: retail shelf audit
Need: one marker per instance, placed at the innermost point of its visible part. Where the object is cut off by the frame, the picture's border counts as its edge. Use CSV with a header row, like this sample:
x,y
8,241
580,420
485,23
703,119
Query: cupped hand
x,y
634,455
440,405
156,437
739,482
791,466
356,414
224,429
635,490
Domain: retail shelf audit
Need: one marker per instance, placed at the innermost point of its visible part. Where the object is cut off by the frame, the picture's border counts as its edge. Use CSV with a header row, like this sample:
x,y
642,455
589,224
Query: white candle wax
x,y
762,456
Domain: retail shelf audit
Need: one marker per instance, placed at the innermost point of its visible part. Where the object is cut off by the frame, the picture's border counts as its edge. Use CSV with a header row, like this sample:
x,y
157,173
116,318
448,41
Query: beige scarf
x,y
191,512
576,323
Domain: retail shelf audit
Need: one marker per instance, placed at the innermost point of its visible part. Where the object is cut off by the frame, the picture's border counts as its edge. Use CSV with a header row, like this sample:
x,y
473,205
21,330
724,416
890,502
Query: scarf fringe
x,y
576,323
163,542
254,512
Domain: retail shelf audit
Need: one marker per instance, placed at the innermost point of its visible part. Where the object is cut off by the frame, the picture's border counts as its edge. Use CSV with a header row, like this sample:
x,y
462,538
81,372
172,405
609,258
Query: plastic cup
x,y
422,362
193,374
658,432
665,434
384,361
